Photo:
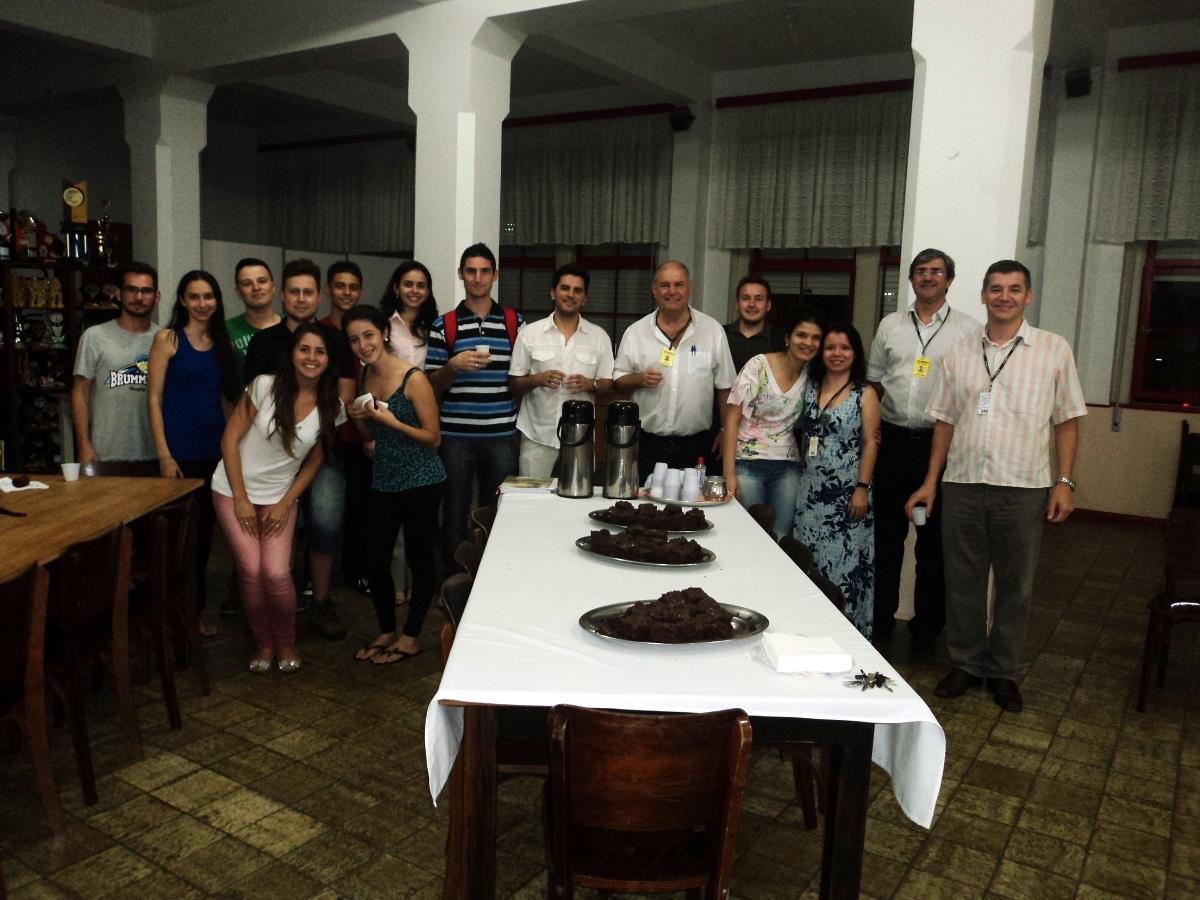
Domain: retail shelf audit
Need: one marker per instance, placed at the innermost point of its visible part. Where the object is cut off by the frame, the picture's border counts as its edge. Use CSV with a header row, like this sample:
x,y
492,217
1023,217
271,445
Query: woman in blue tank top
x,y
406,484
191,384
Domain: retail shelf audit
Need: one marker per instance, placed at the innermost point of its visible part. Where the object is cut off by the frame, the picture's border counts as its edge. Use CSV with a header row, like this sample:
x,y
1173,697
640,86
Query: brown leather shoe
x,y
956,683
1005,693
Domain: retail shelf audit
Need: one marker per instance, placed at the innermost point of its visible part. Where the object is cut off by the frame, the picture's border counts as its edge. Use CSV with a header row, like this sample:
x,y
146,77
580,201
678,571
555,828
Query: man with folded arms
x,y
561,357
1000,394
673,360
905,358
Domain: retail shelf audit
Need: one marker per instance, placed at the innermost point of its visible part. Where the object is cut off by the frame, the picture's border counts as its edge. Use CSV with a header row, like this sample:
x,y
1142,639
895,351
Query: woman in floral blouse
x,y
761,459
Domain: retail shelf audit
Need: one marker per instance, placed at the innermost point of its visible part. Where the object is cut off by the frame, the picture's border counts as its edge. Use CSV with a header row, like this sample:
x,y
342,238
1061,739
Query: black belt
x,y
674,438
913,434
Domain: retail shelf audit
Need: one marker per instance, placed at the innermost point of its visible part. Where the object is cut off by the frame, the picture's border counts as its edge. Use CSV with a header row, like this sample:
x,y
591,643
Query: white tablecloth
x,y
520,643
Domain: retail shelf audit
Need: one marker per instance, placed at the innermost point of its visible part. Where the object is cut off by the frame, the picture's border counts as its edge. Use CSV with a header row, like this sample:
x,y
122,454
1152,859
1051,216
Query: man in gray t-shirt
x,y
108,397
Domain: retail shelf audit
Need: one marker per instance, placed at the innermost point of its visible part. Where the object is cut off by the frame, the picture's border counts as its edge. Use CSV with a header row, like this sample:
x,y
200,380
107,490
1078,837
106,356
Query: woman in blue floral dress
x,y
838,435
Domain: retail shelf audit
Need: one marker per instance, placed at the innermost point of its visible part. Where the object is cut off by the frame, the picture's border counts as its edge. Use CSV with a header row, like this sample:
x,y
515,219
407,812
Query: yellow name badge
x,y
667,357
922,366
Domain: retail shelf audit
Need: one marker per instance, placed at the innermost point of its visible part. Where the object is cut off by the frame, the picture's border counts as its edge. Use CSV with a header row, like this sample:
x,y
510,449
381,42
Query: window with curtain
x,y
814,173
1166,365
821,278
1149,156
342,198
587,182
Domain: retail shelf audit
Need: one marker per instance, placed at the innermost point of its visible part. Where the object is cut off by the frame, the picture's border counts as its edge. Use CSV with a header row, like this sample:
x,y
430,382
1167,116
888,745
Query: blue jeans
x,y
775,482
488,460
322,507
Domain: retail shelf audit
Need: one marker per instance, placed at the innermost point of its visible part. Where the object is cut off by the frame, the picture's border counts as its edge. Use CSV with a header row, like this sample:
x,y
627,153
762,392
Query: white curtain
x,y
817,173
347,198
595,182
1149,165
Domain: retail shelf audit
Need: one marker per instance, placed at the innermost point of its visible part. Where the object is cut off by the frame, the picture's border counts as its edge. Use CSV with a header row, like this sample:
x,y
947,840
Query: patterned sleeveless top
x,y
400,462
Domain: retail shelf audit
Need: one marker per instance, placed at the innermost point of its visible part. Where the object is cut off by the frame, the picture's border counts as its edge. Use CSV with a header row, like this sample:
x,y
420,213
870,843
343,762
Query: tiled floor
x,y
314,784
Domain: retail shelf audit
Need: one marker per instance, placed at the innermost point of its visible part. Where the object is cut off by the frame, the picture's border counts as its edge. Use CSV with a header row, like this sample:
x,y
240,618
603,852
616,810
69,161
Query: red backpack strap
x,y
510,323
450,329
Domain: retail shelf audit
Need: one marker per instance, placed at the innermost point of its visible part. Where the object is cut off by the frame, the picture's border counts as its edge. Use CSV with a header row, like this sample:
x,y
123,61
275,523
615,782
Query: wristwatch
x,y
863,485
1063,479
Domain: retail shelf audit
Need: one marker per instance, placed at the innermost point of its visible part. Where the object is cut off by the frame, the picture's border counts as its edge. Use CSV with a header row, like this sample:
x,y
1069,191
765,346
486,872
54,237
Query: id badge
x,y
985,402
666,358
922,366
812,446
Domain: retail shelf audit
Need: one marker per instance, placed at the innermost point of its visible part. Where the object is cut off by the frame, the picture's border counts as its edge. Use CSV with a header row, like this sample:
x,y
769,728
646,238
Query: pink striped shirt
x,y
1036,389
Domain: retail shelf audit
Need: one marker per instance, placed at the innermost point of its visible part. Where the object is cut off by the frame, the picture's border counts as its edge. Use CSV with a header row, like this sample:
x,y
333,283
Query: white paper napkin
x,y
364,401
791,653
6,485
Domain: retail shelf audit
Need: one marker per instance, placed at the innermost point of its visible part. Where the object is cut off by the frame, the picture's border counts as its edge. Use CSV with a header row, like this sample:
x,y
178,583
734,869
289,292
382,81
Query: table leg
x,y
846,809
471,846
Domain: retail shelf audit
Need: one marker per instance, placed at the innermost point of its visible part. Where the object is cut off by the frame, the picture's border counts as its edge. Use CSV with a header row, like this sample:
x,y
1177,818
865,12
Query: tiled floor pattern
x,y
314,785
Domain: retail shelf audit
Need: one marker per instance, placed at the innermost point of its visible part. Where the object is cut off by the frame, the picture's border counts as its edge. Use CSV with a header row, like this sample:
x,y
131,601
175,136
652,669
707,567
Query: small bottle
x,y
700,470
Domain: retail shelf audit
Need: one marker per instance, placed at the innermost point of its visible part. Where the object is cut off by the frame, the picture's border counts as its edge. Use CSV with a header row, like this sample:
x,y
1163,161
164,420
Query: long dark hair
x,y
287,387
429,309
858,368
372,314
222,345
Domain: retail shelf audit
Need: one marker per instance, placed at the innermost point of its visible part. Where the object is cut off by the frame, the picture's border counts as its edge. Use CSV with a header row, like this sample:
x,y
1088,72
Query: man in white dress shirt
x,y
673,360
999,396
562,357
906,355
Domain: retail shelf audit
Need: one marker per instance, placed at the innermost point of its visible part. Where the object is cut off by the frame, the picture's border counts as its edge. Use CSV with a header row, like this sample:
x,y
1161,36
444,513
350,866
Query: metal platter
x,y
701,504
585,544
746,623
597,515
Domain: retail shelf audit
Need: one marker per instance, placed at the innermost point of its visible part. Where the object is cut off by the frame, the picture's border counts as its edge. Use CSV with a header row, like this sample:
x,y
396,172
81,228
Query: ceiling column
x,y
166,127
458,87
976,98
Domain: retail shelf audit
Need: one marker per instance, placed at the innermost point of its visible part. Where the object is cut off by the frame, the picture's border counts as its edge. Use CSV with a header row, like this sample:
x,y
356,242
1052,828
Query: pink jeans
x,y
264,573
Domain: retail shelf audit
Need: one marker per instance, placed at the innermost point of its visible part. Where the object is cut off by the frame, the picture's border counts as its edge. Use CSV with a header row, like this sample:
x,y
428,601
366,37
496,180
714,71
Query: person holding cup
x,y
760,457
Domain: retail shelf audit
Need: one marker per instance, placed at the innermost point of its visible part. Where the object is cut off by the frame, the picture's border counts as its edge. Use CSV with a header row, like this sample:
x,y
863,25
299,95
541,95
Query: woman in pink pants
x,y
273,445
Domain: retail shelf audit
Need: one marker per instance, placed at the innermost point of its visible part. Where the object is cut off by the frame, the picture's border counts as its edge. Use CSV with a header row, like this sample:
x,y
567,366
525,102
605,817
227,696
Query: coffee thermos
x,y
576,460
620,463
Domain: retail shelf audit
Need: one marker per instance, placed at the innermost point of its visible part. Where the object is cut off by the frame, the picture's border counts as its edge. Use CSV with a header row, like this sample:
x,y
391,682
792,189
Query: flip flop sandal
x,y
393,656
368,652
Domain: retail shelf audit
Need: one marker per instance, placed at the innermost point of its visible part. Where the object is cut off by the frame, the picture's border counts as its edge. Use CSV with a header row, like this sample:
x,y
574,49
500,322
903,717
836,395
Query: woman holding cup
x,y
761,460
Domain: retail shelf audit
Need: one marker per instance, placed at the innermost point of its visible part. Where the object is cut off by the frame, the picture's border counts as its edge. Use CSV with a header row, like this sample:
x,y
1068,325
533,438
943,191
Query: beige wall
x,y
1131,471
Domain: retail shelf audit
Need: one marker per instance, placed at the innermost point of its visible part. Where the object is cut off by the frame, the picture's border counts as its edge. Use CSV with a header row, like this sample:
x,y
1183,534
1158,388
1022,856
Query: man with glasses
x,y
905,356
108,396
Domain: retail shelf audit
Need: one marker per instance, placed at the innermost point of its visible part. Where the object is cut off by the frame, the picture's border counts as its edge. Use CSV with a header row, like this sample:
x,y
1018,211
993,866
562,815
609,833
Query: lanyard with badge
x,y
985,397
666,358
923,365
823,417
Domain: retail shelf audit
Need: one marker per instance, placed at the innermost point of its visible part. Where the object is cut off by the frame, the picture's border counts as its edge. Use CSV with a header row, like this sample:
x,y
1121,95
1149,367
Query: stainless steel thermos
x,y
620,462
576,451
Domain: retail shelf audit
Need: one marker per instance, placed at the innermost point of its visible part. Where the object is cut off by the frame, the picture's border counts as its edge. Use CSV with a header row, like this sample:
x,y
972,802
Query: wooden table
x,y
68,513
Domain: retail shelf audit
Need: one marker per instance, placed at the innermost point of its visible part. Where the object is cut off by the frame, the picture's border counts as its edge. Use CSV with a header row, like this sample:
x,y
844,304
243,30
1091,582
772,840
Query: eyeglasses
x,y
933,273
134,289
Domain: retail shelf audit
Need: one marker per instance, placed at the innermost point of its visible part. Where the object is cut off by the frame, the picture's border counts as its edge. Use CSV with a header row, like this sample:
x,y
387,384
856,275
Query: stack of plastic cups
x,y
658,480
689,491
672,484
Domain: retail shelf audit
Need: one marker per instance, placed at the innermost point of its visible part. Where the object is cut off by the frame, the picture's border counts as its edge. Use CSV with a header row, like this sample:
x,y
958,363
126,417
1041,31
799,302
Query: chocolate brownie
x,y
677,617
656,518
639,544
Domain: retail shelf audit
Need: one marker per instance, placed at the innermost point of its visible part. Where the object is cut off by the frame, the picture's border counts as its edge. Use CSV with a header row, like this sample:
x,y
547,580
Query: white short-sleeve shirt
x,y
540,347
267,468
682,403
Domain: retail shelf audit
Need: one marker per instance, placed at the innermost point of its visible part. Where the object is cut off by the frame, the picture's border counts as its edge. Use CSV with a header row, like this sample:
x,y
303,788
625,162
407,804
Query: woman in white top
x,y
761,458
410,307
275,442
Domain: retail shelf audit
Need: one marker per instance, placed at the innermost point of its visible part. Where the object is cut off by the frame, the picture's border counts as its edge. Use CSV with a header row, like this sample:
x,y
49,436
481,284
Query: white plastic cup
x,y
485,351
672,484
691,475
70,471
918,514
690,492
659,477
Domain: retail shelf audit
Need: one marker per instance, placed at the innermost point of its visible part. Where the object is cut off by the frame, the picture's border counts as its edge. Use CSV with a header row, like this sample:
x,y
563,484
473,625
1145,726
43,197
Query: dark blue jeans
x,y
470,460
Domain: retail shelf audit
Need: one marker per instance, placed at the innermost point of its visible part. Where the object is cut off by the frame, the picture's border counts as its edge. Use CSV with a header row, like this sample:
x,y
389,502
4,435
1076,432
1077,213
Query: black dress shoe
x,y
1005,693
956,683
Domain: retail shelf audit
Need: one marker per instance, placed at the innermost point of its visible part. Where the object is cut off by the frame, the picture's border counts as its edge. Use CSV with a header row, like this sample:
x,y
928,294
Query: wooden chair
x,y
1179,601
482,519
468,556
764,515
456,590
91,625
23,606
644,802
164,608
1187,478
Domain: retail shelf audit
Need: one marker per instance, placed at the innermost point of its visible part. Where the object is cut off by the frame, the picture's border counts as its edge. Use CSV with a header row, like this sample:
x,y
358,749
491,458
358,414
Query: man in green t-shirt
x,y
256,286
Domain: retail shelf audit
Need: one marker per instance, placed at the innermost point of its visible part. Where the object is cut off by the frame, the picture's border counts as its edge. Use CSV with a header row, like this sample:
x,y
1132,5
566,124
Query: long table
x,y
520,645
70,512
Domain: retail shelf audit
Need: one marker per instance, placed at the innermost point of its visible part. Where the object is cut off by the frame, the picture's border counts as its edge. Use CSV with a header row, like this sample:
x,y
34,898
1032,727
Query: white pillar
x,y
166,127
976,93
8,160
458,87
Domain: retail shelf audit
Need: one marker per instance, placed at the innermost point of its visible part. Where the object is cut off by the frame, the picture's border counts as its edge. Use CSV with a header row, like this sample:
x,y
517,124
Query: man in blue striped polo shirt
x,y
467,362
